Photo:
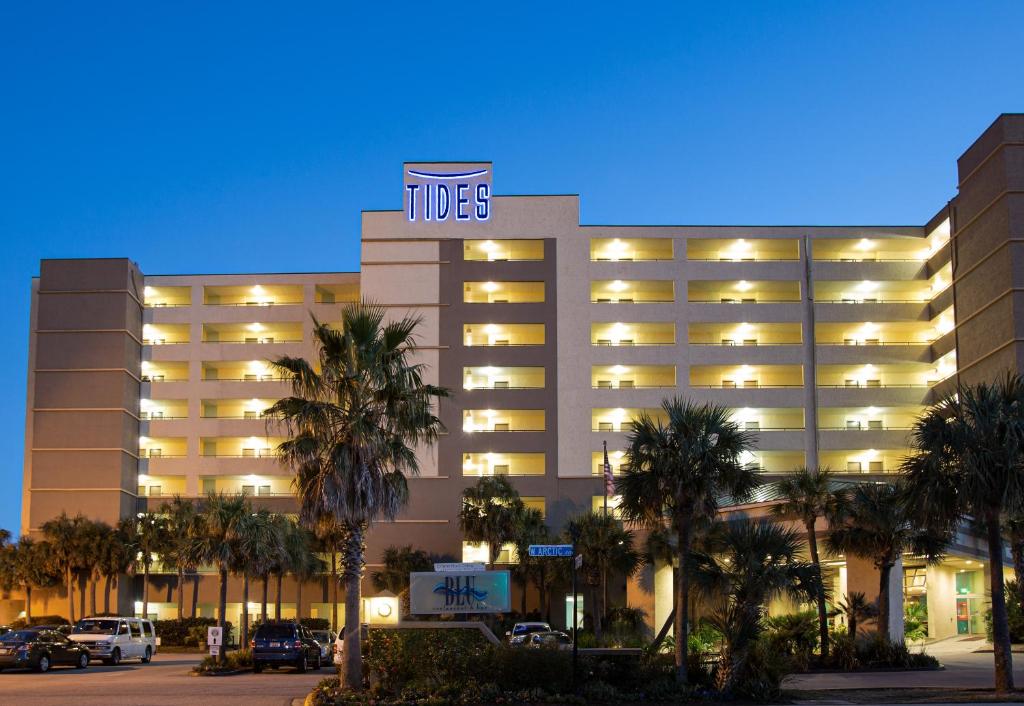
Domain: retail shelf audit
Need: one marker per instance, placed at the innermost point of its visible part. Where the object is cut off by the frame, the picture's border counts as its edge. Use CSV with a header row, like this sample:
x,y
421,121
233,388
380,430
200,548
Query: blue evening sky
x,y
246,137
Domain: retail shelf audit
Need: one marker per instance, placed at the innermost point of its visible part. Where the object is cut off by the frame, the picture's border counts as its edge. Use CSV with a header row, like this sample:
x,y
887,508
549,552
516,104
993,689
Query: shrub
x,y
187,632
233,661
316,623
1014,614
795,636
39,620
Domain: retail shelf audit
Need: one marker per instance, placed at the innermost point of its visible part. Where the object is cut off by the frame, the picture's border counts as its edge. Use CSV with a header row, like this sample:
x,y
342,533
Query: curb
x,y
231,673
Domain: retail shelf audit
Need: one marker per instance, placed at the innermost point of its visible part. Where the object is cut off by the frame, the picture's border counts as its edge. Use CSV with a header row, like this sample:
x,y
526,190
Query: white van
x,y
113,639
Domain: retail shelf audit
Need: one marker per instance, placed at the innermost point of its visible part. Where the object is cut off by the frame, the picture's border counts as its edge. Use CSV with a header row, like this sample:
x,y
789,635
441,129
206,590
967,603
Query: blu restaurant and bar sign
x,y
437,593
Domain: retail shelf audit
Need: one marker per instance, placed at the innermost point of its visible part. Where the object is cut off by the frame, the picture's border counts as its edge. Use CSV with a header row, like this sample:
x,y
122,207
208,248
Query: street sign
x,y
214,650
455,567
557,550
214,636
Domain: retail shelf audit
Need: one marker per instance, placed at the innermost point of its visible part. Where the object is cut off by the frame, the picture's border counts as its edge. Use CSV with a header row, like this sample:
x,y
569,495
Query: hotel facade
x,y
825,341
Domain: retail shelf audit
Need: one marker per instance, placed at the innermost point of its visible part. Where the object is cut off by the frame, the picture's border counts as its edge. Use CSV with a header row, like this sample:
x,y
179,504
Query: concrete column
x,y
809,360
941,600
862,577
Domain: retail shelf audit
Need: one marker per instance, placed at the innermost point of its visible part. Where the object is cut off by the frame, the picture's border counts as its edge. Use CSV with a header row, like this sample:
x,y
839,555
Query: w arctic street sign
x,y
559,550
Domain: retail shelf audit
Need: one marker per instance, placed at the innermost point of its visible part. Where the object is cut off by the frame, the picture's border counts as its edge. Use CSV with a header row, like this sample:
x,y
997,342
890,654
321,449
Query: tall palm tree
x,y
330,536
880,525
147,536
970,451
491,513
354,420
676,472
217,535
27,566
750,562
809,494
606,547
399,562
259,544
100,535
115,559
530,529
177,553
303,562
64,536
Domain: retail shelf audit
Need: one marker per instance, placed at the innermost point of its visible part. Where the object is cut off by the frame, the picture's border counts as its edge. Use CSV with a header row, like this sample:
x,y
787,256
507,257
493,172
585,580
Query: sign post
x,y
565,551
214,639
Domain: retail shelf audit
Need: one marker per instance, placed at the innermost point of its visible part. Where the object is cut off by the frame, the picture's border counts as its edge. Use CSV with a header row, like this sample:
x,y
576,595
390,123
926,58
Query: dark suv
x,y
284,644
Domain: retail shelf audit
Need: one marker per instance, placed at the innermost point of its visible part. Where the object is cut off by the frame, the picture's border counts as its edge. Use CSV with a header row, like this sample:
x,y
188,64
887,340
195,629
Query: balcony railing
x,y
865,428
628,343
162,342
666,386
158,417
744,387
265,340
288,303
249,378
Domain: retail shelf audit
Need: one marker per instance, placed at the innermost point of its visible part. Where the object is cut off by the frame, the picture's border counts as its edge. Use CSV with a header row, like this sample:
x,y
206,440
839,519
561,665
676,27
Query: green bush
x,y
794,635
39,620
233,661
187,632
1014,614
316,623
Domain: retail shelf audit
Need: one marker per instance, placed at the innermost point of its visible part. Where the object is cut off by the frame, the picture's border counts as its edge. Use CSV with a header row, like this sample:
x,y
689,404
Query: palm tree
x,y
881,526
177,553
114,560
28,565
100,535
259,544
530,529
970,450
491,512
303,562
857,609
353,422
146,535
217,534
676,472
808,494
750,562
606,547
330,536
399,562
63,534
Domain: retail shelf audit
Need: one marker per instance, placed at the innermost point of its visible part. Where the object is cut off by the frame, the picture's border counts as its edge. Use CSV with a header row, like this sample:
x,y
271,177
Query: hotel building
x,y
826,341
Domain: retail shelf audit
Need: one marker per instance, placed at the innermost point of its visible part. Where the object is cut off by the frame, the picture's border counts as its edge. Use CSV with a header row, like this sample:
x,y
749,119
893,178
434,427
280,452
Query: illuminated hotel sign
x,y
448,192
438,593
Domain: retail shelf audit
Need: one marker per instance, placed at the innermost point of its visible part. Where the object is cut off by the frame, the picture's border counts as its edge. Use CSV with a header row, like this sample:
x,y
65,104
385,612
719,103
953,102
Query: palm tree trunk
x,y
223,607
71,594
145,590
244,628
682,603
106,594
298,598
352,677
181,592
263,601
28,603
195,594
334,589
1000,624
92,596
81,596
598,595
883,599
812,544
277,598
852,625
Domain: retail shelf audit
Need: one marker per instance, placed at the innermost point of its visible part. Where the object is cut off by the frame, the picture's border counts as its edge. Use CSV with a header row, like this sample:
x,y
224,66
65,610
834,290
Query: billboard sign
x,y
437,593
439,192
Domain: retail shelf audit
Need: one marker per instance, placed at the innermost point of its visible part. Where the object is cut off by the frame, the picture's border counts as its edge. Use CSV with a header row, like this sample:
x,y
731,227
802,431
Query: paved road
x,y
964,669
164,682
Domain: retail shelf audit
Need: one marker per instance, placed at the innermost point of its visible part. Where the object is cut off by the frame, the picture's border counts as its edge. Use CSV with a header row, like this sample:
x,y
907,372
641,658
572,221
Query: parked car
x,y
4,629
62,628
339,648
284,643
113,639
520,631
40,649
554,640
328,643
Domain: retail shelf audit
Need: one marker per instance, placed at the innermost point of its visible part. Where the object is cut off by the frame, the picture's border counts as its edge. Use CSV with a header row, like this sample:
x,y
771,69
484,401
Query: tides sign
x,y
437,593
440,192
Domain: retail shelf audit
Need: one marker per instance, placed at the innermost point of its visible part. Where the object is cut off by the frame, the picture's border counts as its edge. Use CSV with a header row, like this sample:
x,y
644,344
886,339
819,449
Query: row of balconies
x,y
163,296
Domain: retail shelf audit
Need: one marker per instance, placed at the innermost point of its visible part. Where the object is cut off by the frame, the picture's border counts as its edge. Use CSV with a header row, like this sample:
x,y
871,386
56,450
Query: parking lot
x,y
165,681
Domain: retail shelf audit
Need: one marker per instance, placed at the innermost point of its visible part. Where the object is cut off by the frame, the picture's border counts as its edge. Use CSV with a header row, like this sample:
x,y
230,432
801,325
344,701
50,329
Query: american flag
x,y
609,479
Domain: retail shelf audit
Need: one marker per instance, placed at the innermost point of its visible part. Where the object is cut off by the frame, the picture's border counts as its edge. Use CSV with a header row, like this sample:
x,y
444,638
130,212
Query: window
x,y
728,383
853,424
605,426
250,377
501,426
500,469
853,466
264,490
156,453
752,425
850,383
750,341
751,383
501,384
604,384
874,424
626,384
249,489
155,491
728,342
249,414
248,453
875,466
873,383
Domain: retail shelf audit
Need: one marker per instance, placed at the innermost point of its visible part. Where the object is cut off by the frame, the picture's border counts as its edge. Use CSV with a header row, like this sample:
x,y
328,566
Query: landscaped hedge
x,y
39,620
316,623
187,632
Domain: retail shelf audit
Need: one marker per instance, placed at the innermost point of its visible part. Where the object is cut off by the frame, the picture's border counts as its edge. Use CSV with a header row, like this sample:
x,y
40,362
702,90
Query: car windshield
x,y
20,636
96,627
321,636
524,629
275,632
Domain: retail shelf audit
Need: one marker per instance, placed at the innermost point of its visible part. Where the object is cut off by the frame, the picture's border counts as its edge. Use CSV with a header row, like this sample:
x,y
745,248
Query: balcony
x,y
164,334
633,334
863,461
872,292
489,377
156,410
240,371
618,291
502,420
164,371
745,334
746,376
160,488
240,447
898,249
503,334
502,464
871,376
620,420
628,377
251,409
503,250
253,295
630,249
503,292
742,291
167,296
742,249
253,333
336,293
773,462
870,418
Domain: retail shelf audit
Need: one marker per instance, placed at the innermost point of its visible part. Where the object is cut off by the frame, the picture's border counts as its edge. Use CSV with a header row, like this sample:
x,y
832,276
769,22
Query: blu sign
x,y
436,593
447,192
